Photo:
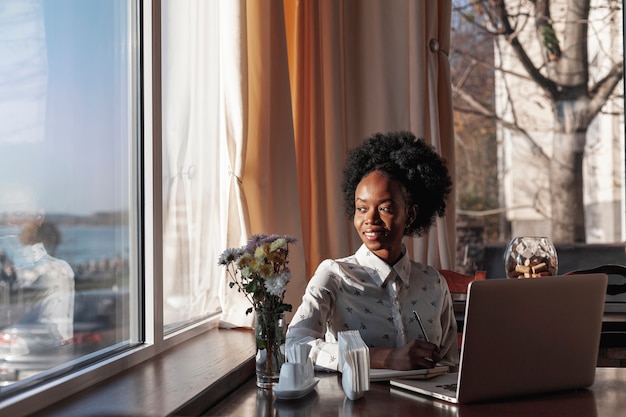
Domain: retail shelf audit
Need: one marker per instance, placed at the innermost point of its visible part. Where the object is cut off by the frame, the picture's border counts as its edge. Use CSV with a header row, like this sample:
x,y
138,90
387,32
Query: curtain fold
x,y
191,188
232,62
264,187
438,248
229,165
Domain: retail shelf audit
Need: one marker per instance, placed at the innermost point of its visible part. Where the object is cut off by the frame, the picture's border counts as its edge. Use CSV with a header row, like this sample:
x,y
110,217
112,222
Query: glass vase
x,y
530,257
270,330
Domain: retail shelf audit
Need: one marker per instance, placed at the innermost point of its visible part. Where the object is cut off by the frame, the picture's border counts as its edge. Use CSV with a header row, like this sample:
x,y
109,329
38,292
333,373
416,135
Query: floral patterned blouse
x,y
362,292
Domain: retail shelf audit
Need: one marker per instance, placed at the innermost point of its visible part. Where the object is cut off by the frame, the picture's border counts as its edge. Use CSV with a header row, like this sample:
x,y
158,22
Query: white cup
x,y
295,375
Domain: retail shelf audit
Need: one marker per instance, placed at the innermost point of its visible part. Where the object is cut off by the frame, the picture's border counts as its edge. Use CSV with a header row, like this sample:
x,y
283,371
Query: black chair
x,y
613,332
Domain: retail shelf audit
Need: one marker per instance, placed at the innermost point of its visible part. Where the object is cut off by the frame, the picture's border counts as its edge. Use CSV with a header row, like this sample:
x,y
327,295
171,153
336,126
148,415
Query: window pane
x,y
66,131
539,122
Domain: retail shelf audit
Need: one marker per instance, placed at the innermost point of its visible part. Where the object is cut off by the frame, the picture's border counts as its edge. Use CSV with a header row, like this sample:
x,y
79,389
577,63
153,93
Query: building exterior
x,y
524,154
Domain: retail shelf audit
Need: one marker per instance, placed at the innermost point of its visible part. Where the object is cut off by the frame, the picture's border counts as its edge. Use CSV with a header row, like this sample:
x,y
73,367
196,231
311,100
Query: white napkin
x,y
298,353
354,363
297,373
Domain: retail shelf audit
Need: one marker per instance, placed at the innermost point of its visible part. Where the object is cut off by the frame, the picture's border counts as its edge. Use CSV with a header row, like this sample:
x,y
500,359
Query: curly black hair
x,y
412,162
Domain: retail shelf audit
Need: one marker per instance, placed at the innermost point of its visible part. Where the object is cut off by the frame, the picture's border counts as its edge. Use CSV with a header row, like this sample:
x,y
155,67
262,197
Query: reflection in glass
x,y
66,131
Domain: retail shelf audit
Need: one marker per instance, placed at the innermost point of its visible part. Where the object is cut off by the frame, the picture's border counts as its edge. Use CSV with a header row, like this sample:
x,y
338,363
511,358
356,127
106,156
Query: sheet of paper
x,y
387,374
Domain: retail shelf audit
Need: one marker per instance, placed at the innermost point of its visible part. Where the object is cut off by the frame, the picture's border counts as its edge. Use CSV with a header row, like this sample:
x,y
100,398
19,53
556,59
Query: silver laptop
x,y
524,337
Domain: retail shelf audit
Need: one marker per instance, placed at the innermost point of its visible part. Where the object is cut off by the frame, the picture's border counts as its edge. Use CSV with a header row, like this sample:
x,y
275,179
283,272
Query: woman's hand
x,y
414,355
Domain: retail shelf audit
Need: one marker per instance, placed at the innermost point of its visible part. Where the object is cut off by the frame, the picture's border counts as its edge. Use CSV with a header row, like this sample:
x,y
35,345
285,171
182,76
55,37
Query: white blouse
x,y
362,292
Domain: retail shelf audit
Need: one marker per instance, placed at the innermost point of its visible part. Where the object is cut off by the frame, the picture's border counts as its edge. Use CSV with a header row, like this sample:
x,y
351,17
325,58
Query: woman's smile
x,y
375,234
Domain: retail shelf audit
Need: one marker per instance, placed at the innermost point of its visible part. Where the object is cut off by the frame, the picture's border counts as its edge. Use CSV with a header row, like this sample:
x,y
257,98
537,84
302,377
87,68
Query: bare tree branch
x,y
478,108
512,38
490,65
602,90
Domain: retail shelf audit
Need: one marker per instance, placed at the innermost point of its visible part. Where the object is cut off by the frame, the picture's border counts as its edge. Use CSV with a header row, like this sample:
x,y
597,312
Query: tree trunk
x,y
566,172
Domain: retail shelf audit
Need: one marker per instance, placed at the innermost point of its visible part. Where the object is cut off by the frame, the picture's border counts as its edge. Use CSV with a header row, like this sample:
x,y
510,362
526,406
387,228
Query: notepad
x,y
377,375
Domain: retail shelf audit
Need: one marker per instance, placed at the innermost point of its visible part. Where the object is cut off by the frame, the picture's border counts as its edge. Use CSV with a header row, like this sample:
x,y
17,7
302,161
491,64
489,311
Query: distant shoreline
x,y
105,218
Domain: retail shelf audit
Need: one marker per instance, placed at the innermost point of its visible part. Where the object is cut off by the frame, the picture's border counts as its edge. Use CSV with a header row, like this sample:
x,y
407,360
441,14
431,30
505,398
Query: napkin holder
x,y
354,364
298,371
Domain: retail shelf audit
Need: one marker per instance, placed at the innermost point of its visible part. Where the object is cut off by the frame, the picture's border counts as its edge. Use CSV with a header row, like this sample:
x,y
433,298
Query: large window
x,y
539,122
102,217
69,102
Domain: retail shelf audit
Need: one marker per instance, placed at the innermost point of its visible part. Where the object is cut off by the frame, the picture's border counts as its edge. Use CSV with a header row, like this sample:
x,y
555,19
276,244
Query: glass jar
x,y
270,330
530,257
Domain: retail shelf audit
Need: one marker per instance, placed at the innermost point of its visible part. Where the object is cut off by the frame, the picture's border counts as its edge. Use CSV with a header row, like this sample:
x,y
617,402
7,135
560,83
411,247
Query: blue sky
x,y
64,98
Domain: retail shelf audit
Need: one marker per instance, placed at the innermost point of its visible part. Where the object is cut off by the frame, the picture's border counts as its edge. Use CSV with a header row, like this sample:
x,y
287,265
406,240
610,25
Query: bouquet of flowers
x,y
259,270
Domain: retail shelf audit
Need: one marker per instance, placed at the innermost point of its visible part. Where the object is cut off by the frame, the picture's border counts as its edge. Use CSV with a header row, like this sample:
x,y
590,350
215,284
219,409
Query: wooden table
x,y
606,398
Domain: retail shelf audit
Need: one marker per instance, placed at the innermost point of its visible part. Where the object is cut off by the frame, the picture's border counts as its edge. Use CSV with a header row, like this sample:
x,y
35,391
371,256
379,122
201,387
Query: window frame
x,y
146,195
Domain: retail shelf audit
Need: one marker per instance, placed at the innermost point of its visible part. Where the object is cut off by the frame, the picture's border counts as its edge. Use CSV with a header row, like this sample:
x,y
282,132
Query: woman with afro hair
x,y
394,186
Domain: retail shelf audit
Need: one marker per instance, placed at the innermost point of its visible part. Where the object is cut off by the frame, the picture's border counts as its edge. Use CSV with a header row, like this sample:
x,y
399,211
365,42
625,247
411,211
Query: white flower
x,y
229,255
278,244
276,285
259,270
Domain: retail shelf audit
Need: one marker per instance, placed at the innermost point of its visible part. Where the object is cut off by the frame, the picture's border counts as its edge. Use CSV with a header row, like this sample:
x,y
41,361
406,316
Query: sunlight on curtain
x,y
191,174
229,158
232,156
359,68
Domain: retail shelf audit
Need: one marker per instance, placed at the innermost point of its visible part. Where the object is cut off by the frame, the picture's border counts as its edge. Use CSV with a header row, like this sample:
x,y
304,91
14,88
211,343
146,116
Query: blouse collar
x,y
381,271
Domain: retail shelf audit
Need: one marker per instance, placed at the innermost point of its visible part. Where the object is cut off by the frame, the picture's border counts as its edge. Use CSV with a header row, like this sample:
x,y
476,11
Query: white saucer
x,y
292,394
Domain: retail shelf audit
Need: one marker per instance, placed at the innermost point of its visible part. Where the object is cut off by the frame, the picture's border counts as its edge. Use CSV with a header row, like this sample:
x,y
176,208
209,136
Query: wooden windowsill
x,y
183,381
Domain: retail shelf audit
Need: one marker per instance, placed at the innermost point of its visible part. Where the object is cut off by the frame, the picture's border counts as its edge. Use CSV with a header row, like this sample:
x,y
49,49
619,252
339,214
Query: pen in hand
x,y
419,320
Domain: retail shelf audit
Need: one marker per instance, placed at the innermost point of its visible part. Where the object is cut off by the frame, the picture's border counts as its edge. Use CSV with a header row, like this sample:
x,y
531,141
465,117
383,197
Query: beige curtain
x,y
355,67
263,187
229,164
359,67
